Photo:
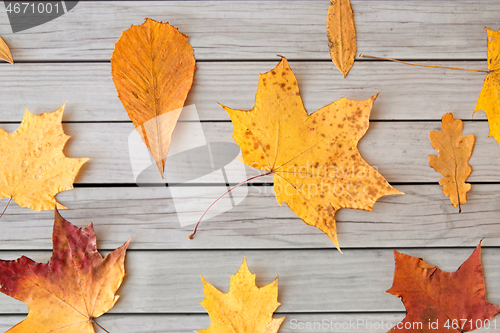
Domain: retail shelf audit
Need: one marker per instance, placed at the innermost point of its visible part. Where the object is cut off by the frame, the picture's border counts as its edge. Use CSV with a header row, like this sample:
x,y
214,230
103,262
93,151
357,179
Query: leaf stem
x,y
213,203
10,199
419,65
95,322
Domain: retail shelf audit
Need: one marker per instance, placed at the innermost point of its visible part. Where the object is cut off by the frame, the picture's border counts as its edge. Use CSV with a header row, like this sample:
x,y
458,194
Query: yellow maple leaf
x,y
489,98
244,308
33,167
316,166
454,151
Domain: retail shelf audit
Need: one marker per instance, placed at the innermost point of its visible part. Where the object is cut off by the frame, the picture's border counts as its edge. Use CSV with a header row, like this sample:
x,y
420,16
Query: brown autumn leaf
x,y
341,33
316,166
5,52
244,308
452,302
67,293
153,67
454,151
33,167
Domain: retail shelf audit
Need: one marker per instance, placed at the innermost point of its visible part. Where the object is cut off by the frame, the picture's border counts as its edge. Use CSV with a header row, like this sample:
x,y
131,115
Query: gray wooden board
x,y
187,323
399,150
423,217
405,92
309,280
331,323
261,29
294,323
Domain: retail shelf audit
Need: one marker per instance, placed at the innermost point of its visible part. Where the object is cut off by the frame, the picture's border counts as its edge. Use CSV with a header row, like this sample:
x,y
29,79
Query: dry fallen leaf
x,y
153,67
454,302
5,52
76,286
316,166
244,308
454,151
489,98
33,167
341,33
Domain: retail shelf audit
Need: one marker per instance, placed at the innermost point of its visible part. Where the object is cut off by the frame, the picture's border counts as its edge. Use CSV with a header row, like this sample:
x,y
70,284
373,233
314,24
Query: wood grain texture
x,y
421,218
261,29
309,280
405,92
398,149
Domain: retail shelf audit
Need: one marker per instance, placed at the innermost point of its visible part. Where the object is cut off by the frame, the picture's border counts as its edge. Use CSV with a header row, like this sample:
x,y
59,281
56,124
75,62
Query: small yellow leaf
x,y
5,52
454,151
33,167
489,98
341,33
244,308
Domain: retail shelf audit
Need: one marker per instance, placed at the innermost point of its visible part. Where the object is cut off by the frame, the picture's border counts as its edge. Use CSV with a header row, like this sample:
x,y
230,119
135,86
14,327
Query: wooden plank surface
x,y
188,323
328,323
399,150
261,29
68,60
309,280
423,217
405,92
175,323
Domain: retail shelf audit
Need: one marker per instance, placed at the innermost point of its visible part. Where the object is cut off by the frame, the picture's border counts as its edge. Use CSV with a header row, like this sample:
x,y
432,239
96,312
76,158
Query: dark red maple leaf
x,y
438,301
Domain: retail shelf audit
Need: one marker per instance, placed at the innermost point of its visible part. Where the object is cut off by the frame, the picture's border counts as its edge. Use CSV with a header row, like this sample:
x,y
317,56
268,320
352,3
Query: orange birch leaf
x,y
5,52
454,151
452,302
316,166
244,308
76,286
33,167
341,33
489,98
153,67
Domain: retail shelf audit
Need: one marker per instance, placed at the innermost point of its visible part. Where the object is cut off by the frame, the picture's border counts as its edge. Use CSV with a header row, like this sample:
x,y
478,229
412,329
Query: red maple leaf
x,y
438,301
76,286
